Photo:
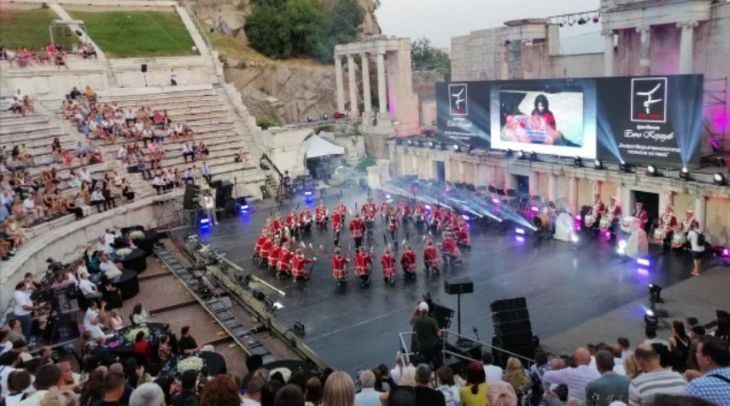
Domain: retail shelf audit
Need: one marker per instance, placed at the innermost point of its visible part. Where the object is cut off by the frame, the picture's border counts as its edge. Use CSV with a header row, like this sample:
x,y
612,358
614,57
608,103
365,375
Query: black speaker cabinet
x,y
143,68
455,286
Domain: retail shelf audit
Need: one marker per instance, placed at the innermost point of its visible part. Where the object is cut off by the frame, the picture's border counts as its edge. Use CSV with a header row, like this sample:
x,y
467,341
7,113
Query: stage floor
x,y
565,285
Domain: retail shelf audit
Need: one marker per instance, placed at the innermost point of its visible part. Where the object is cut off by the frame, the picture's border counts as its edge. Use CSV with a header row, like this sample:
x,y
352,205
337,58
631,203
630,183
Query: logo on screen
x,y
458,104
649,100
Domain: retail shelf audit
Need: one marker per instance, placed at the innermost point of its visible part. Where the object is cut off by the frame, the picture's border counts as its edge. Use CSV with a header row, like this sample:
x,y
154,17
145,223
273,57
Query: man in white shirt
x,y
30,207
492,372
575,378
209,207
655,379
96,332
106,265
10,362
91,313
698,250
88,288
23,308
368,396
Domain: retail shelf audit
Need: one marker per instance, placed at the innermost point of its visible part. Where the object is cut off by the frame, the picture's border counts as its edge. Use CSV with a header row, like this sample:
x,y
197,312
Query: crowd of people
x,y
49,55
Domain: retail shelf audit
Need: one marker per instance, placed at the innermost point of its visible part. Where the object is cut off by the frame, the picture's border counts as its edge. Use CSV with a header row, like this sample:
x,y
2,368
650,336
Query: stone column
x,y
608,54
552,187
700,209
354,110
686,49
645,49
367,101
382,99
339,85
573,195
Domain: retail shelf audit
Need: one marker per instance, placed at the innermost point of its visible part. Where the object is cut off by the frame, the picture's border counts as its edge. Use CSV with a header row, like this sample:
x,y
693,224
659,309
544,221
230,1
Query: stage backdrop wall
x,y
639,120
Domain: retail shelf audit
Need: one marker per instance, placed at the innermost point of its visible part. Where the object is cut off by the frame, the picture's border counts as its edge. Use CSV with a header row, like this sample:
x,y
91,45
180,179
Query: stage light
x,y
642,271
655,293
684,173
719,179
624,167
578,162
574,237
244,208
430,144
581,21
456,147
533,157
621,249
520,154
495,200
595,19
650,318
465,217
277,305
725,252
520,231
643,262
597,164
520,238
651,170
535,209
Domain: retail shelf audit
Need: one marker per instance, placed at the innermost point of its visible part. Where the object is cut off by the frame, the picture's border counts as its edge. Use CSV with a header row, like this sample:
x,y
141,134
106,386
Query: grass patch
x,y
29,29
132,33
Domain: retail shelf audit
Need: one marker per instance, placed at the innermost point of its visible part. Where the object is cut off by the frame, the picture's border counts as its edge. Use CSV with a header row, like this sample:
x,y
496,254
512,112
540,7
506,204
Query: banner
x,y
639,120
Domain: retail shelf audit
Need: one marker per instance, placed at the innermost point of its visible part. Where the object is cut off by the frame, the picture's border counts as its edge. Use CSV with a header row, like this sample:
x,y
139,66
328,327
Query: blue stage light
x,y
643,262
520,231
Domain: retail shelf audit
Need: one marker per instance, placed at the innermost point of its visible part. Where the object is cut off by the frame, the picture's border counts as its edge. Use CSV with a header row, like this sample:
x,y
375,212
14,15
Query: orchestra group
x,y
280,248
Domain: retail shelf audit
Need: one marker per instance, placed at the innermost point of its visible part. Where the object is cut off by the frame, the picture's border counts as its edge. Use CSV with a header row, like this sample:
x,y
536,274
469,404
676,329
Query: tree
x,y
425,57
343,26
305,19
268,31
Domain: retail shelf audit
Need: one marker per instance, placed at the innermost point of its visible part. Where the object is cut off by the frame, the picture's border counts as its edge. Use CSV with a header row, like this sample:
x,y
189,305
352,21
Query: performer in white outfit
x,y
209,206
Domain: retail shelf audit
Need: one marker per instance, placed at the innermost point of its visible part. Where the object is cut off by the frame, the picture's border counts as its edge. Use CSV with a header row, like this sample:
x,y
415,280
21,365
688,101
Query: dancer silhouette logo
x,y
458,101
649,100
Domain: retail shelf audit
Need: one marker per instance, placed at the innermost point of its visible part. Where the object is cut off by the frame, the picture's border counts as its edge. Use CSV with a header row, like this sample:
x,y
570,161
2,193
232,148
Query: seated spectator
x,y
74,94
713,358
610,386
492,372
220,391
339,389
187,344
655,379
108,267
142,347
18,384
448,388
139,315
575,378
187,151
515,375
88,50
147,394
47,378
474,393
115,321
88,288
98,199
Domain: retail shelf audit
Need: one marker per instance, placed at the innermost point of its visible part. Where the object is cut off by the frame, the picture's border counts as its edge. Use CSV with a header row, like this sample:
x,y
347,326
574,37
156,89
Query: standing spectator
x,y
713,358
610,386
367,396
188,396
23,309
18,383
187,344
492,372
289,395
47,377
698,248
220,391
651,338
205,172
575,378
679,344
626,350
655,379
313,393
339,390
427,334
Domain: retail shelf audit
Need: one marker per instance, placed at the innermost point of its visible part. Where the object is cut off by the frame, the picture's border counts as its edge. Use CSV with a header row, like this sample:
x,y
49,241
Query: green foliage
x,y
268,120
285,28
426,57
29,29
132,33
362,166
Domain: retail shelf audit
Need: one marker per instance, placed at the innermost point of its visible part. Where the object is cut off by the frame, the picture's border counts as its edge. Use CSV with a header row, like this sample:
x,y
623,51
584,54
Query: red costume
x,y
291,221
284,257
463,235
336,221
304,217
297,265
369,211
448,245
385,208
408,260
393,222
274,255
388,263
431,256
342,209
260,243
362,263
643,217
357,227
339,264
266,249
403,209
419,212
276,225
320,213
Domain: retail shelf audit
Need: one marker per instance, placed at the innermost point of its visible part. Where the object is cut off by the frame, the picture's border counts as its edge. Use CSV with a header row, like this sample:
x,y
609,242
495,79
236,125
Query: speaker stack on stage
x,y
462,346
512,329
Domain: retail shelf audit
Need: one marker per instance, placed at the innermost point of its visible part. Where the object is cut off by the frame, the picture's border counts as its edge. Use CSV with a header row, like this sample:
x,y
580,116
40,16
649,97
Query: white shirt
x,y
4,373
28,203
96,332
208,202
693,237
14,400
21,299
90,315
493,373
249,402
109,238
97,196
106,266
367,397
575,378
87,287
121,153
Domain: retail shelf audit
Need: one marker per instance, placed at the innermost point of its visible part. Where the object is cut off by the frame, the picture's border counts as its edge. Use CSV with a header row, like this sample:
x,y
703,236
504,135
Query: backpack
x,y
701,241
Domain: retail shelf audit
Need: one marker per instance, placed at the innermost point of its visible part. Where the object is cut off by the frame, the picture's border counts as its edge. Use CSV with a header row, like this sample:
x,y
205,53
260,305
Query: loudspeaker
x,y
455,286
190,198
508,304
512,329
143,68
441,314
223,194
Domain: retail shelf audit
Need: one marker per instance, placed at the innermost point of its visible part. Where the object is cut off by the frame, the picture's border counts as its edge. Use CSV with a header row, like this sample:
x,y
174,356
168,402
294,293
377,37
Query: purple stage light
x,y
577,217
520,231
643,262
520,238
428,207
495,201
642,271
535,209
726,252
465,217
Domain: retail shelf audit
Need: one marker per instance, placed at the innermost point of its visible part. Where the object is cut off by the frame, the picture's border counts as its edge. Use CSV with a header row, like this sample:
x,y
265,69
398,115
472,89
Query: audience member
x,y
493,372
575,378
188,396
654,379
610,386
339,390
713,358
220,391
474,393
289,395
367,396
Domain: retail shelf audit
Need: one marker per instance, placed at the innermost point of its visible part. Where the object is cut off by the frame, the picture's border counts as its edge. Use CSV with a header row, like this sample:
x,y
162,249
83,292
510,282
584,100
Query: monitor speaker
x,y
512,329
143,68
456,286
190,198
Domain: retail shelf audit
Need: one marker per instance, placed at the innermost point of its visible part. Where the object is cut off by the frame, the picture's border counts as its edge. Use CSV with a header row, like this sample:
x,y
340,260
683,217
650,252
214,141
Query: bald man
x,y
575,378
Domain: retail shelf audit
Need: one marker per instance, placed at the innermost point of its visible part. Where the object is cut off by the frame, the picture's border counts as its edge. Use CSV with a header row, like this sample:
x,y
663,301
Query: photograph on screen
x,y
538,117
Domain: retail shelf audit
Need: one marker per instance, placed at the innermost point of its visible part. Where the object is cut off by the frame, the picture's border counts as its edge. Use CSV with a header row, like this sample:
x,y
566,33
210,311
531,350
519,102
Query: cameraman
x,y
24,308
427,335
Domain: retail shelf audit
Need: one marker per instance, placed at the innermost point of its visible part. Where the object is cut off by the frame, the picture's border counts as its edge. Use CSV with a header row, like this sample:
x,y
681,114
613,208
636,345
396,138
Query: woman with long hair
x,y
631,366
93,389
515,375
339,390
679,344
474,393
220,391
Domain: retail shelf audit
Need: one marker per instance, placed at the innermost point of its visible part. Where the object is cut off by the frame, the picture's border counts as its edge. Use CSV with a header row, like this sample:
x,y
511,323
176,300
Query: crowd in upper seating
x,y
50,55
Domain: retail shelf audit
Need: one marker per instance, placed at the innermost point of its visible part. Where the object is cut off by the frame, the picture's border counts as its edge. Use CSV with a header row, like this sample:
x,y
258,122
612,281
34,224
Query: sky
x,y
439,20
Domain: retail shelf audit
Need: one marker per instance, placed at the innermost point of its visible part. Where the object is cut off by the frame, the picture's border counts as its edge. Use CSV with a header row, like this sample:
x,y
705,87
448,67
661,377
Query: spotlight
x,y
595,19
598,164
520,154
244,208
578,162
533,156
644,262
719,179
205,222
624,167
684,173
651,170
655,293
509,153
456,147
621,250
574,238
581,21
520,231
650,318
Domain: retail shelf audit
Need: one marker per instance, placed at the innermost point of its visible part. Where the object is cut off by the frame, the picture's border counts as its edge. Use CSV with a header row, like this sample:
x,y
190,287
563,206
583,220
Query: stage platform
x,y
567,286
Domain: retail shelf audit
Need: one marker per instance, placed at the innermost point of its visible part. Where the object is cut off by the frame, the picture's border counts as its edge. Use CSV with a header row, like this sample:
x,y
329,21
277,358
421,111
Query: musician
x,y
266,248
267,226
363,263
339,266
665,229
688,220
274,254
387,261
420,214
369,211
283,265
292,223
320,214
305,220
408,262
337,225
436,218
641,214
431,257
357,229
298,263
276,225
680,237
449,250
613,214
546,224
342,209
209,207
598,210
259,244
404,211
462,235
393,225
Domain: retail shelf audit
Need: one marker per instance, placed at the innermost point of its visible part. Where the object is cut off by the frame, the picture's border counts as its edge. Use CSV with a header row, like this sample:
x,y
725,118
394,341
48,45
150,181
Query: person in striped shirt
x,y
575,378
654,380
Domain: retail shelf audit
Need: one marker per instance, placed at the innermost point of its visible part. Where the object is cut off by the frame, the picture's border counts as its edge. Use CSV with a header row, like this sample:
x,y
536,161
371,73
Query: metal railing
x,y
407,352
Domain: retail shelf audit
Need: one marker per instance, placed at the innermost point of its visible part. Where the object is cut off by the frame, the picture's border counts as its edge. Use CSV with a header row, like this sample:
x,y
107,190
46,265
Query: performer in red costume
x,y
387,261
298,263
436,219
266,248
613,217
641,214
420,216
342,209
385,209
404,211
357,229
305,220
462,235
408,262
292,223
277,226
665,229
431,257
393,226
369,211
274,254
257,248
283,265
339,266
450,250
363,263
321,215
